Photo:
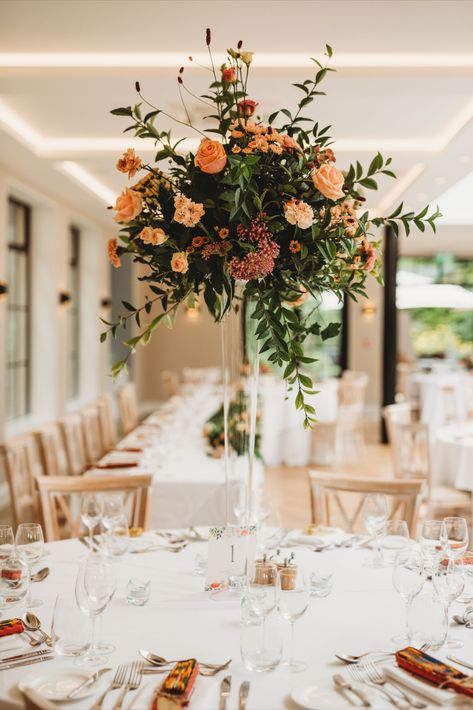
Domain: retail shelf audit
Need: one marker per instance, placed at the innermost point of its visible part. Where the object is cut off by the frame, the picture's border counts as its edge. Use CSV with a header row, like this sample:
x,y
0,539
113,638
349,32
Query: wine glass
x,y
293,600
6,542
431,542
113,508
454,536
95,586
375,515
91,511
29,546
408,580
394,539
449,582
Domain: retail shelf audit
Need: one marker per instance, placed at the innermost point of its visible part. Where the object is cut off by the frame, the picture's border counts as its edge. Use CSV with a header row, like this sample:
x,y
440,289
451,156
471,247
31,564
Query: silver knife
x,y
459,662
243,694
88,681
21,656
225,687
30,662
339,680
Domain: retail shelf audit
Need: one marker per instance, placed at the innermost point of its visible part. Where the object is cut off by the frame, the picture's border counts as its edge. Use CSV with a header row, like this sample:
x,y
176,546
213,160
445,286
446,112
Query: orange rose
x,y
329,181
128,205
112,253
210,157
179,262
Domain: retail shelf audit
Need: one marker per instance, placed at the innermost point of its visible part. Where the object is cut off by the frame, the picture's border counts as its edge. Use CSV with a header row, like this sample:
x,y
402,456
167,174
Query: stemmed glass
x,y
449,582
6,542
454,536
293,600
95,586
91,511
431,542
262,590
113,509
408,580
29,546
394,539
375,515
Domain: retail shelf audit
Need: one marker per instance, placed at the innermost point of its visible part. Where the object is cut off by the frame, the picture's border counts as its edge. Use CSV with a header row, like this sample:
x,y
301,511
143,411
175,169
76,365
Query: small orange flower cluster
x,y
265,139
294,246
343,214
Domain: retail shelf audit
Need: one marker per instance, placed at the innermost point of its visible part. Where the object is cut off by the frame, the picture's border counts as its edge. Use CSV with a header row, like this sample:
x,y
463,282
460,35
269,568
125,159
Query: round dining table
x,y
452,457
181,620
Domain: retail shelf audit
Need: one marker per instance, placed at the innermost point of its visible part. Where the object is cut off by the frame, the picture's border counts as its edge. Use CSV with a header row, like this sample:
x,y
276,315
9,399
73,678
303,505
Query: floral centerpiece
x,y
259,202
238,423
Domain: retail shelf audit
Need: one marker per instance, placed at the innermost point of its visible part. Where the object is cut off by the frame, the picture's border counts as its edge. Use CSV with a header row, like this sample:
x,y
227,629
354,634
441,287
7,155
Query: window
x,y
73,334
18,364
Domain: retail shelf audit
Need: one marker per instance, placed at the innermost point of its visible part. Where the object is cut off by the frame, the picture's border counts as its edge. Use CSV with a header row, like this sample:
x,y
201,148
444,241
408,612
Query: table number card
x,y
231,549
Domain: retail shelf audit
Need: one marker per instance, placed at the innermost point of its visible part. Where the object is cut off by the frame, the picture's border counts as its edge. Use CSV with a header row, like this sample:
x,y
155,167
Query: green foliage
x,y
238,428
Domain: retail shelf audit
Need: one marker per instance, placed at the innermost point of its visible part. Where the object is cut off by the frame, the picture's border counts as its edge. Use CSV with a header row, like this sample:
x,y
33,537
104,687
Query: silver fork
x,y
377,676
117,682
133,682
361,676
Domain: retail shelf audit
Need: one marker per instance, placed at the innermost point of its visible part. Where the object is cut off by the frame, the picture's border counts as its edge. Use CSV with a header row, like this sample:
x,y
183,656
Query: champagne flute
x,y
454,536
293,600
29,546
375,515
95,586
449,581
91,511
408,580
431,542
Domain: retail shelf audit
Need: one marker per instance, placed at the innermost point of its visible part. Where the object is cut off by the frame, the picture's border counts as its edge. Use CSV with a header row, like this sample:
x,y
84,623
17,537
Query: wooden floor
x,y
288,486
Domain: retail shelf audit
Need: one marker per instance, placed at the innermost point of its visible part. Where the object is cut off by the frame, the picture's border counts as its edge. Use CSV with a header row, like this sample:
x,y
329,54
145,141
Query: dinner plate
x,y
57,684
317,697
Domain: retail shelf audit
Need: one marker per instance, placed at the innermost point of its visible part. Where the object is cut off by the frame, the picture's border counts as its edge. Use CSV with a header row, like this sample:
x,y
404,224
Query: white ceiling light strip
x,y
399,187
87,180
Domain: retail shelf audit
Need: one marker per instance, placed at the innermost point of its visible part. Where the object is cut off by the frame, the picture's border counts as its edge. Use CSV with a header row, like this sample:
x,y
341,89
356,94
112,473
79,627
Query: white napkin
x,y
324,536
430,692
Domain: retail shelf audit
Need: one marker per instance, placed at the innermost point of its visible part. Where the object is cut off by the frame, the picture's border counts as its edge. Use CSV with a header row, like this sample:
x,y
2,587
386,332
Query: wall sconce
x,y
3,290
106,302
64,298
192,308
368,309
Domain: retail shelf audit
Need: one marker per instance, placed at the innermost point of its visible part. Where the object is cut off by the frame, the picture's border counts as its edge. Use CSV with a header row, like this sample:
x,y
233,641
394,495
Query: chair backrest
x,y
327,487
400,413
73,436
410,447
58,495
351,395
108,426
128,407
52,451
170,382
94,446
20,462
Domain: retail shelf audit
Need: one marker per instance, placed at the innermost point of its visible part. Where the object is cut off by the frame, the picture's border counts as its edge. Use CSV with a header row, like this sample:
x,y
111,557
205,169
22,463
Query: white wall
x,y
50,231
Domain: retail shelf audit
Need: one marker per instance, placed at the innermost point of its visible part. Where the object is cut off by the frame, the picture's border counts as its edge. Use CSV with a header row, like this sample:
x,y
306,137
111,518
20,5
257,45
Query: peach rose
x,y
157,236
329,181
210,157
179,262
130,163
128,205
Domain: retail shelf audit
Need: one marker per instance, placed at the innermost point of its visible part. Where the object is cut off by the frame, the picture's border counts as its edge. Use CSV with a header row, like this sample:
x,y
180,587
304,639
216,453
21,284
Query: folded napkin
x,y
128,449
11,626
116,464
319,535
421,687
433,670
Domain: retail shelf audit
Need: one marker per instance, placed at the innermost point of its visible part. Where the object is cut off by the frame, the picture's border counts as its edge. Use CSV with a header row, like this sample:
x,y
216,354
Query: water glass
x,y
454,536
70,635
449,582
29,546
113,509
14,582
200,564
138,591
375,515
117,538
6,542
408,580
293,600
261,643
91,511
431,542
321,583
427,621
395,538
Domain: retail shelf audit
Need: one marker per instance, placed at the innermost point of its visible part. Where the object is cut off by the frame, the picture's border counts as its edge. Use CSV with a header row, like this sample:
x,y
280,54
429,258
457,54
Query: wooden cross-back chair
x,y
54,489
128,407
108,427
52,451
329,488
73,436
399,413
94,446
20,462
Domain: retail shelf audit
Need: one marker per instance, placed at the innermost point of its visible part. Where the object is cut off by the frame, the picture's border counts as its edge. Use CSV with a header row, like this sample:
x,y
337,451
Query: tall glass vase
x,y
240,370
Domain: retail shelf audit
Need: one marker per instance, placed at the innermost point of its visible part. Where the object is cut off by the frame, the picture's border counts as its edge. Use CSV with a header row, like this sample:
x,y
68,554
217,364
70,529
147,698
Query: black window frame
x,y
74,278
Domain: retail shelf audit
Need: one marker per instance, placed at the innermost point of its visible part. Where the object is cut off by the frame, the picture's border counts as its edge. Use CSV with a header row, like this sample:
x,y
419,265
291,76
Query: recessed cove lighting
x,y
87,180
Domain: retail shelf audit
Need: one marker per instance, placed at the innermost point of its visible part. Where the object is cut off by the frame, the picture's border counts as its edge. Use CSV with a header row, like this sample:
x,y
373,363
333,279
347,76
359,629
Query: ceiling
x,y
404,84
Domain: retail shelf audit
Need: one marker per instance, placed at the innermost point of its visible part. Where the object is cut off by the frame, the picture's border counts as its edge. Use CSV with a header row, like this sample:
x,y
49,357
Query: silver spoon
x,y
207,672
32,641
40,575
32,623
156,548
347,658
160,661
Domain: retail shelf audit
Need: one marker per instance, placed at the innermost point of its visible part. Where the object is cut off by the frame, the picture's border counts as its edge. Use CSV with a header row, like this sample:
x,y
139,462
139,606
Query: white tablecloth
x,y
452,457
435,401
283,437
181,621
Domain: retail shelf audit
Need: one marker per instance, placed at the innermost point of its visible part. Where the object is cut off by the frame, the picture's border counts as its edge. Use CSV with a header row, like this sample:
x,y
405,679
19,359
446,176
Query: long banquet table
x,y
182,621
